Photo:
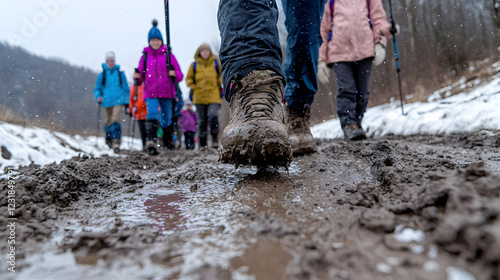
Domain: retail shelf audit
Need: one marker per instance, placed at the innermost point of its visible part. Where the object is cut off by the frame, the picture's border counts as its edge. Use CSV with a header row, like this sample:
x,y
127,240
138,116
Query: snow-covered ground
x,y
41,146
470,110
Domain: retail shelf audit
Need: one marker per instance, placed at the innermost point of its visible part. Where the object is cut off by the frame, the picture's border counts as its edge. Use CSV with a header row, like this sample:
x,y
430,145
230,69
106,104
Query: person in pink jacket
x,y
158,90
350,30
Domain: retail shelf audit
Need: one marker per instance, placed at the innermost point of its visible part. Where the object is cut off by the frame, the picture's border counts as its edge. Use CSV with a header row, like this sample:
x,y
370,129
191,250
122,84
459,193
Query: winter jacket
x,y
157,82
352,39
188,120
112,94
207,80
139,104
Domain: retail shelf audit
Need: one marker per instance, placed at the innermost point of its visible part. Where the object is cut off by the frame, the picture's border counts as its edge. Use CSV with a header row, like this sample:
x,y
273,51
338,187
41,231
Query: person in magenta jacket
x,y
158,90
350,30
188,123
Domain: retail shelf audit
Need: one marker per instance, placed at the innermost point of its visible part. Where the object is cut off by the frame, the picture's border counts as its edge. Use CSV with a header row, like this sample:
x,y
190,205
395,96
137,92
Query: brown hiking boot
x,y
256,132
151,148
299,133
354,132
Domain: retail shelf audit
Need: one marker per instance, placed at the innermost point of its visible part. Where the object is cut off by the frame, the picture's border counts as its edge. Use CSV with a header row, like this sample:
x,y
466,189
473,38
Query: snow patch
x,y
408,235
431,266
417,249
470,110
40,146
384,268
453,273
433,252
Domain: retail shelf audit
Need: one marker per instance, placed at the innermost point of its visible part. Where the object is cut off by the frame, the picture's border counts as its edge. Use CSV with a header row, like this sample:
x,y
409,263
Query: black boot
x,y
168,134
215,141
203,143
108,143
151,132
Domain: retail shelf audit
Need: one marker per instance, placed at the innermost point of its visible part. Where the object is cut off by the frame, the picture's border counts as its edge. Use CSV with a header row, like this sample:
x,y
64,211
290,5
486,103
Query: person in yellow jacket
x,y
204,79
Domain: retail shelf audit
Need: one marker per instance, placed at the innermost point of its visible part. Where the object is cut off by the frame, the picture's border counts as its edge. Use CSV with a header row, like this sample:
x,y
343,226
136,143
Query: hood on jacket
x,y
200,60
201,47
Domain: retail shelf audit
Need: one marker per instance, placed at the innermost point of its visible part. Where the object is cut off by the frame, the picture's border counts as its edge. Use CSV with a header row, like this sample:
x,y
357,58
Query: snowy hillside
x,y
24,145
467,111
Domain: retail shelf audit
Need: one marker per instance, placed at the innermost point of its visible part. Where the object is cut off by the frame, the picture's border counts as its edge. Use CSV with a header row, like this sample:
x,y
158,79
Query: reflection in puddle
x,y
165,209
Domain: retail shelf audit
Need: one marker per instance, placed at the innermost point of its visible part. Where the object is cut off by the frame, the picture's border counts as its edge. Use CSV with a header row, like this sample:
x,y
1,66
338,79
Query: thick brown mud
x,y
418,207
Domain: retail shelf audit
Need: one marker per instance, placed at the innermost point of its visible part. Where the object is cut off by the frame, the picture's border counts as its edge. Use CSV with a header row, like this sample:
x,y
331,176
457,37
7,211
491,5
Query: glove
x,y
134,112
323,72
394,30
379,54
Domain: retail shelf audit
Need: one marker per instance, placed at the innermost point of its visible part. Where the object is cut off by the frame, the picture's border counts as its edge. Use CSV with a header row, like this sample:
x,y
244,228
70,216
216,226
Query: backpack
x,y
332,8
104,76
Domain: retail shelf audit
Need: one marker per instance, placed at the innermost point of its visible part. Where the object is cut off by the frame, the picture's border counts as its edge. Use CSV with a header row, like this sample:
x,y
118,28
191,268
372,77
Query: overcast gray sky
x,y
82,31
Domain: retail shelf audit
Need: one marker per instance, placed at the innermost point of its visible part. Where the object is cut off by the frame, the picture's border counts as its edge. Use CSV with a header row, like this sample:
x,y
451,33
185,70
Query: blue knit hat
x,y
154,32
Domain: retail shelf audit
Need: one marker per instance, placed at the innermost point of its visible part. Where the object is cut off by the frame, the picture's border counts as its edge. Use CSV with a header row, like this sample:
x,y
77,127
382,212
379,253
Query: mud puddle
x,y
419,207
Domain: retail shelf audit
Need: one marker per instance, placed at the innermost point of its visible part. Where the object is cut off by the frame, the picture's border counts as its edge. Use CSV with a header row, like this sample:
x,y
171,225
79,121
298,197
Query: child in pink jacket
x,y
158,89
350,29
188,123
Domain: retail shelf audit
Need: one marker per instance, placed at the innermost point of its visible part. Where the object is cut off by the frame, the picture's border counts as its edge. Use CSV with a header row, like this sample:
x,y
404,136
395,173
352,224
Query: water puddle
x,y
272,266
164,209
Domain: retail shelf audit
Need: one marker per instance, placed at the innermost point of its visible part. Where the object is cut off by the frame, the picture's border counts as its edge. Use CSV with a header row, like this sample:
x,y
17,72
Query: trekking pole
x,y
169,65
98,126
128,123
396,56
133,134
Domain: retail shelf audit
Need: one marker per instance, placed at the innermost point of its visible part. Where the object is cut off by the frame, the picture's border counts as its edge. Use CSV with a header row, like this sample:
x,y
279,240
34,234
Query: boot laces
x,y
259,105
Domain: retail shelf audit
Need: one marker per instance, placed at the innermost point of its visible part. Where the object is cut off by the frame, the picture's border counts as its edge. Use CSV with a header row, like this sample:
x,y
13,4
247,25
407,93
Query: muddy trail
x,y
419,207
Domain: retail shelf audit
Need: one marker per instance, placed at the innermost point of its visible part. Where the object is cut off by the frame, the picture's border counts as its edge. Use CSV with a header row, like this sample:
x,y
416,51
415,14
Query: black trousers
x,y
207,117
353,82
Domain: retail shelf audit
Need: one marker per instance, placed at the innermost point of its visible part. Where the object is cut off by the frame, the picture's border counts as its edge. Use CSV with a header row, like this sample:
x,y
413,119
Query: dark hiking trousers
x,y
353,81
207,116
189,140
250,42
142,129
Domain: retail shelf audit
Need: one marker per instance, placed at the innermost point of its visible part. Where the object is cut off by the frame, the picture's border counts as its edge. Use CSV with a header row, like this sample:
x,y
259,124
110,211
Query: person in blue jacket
x,y
112,92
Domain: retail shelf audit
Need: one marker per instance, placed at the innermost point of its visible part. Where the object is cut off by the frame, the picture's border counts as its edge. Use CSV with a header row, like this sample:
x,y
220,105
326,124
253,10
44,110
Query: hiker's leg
x,y
303,20
250,39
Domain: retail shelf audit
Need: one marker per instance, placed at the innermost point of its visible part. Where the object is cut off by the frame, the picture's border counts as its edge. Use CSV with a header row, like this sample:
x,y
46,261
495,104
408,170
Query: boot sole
x,y
358,137
245,153
152,152
302,147
304,150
